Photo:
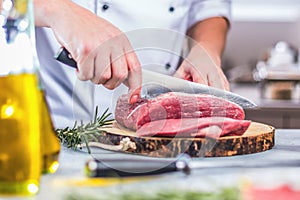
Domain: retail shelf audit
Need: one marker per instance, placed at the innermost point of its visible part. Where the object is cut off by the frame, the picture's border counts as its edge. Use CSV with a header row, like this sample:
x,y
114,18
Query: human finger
x,y
119,69
134,77
187,72
85,67
218,80
102,66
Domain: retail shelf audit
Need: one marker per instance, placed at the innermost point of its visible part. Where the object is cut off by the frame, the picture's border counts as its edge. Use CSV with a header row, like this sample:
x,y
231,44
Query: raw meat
x,y
174,105
195,127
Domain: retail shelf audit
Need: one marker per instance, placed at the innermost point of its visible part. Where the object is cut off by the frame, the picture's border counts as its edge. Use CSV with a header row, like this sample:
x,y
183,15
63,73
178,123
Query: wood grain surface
x,y
258,138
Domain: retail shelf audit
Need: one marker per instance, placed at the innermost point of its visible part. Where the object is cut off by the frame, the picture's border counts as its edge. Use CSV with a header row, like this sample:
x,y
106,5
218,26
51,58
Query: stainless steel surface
x,y
282,90
156,83
275,112
279,76
252,91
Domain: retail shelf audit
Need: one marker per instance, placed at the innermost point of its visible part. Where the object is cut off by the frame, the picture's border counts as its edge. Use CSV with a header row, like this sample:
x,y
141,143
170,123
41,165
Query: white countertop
x,y
65,181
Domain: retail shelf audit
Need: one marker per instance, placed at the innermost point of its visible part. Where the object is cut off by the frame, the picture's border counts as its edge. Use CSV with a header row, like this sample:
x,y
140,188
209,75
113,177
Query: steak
x,y
174,105
213,127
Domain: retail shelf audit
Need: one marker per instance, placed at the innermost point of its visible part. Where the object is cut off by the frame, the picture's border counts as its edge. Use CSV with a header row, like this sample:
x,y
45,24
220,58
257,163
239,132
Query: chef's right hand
x,y
102,52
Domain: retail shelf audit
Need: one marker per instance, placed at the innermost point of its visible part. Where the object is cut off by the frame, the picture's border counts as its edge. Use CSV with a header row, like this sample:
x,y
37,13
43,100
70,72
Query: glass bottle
x,y
20,99
50,146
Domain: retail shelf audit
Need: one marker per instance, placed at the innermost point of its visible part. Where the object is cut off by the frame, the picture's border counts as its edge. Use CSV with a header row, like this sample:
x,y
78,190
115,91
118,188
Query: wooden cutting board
x,y
258,137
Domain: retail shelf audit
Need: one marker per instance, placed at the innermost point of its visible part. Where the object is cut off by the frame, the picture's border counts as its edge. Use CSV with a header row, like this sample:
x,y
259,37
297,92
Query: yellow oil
x,y
20,157
50,146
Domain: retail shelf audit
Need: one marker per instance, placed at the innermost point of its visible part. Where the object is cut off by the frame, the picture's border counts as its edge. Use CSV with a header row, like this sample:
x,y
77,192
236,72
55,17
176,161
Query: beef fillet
x,y
213,127
174,105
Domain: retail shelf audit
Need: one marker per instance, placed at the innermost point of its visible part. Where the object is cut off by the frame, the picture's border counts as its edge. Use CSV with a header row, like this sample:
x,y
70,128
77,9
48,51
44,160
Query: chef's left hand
x,y
200,66
203,63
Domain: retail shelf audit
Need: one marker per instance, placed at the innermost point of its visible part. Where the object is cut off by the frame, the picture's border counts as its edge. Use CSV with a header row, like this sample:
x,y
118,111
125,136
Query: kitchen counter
x,y
278,113
70,178
252,92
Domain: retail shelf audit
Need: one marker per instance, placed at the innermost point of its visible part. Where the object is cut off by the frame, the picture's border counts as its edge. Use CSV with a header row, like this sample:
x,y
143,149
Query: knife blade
x,y
154,84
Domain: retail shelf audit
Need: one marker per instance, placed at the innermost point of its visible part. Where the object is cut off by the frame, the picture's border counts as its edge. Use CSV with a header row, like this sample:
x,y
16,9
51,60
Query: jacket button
x,y
105,7
167,66
171,9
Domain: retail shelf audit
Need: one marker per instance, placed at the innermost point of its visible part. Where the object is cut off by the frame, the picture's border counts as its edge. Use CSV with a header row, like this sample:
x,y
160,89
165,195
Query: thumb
x,y
183,72
180,72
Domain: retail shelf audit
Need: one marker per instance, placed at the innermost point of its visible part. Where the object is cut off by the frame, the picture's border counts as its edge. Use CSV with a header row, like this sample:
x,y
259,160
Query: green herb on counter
x,y
223,194
84,133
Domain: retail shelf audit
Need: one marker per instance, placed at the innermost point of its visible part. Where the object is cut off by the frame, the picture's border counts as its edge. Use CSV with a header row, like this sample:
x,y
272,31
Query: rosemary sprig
x,y
84,133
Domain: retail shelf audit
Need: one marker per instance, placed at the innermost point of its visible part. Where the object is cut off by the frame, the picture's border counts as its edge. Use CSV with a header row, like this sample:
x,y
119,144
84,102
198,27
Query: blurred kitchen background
x,y
261,59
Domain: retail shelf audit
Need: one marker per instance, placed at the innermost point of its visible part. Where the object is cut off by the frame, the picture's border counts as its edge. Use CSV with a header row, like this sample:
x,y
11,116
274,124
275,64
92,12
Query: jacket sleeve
x,y
204,9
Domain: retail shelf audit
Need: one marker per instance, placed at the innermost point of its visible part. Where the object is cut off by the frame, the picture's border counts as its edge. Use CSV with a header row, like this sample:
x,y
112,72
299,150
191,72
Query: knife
x,y
117,167
155,84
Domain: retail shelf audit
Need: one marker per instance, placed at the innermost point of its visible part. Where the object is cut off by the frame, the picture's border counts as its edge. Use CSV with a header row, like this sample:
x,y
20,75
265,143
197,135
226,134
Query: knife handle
x,y
64,56
97,168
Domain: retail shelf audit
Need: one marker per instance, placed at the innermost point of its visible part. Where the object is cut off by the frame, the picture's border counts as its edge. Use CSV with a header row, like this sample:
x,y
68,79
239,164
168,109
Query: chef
x,y
111,40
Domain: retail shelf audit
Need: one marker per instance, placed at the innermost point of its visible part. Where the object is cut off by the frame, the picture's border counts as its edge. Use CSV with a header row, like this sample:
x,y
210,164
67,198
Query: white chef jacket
x,y
155,29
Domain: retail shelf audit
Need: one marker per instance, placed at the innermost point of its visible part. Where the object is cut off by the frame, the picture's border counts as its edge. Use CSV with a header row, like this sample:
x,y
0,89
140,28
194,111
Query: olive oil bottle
x,y
20,157
50,146
20,127
28,144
